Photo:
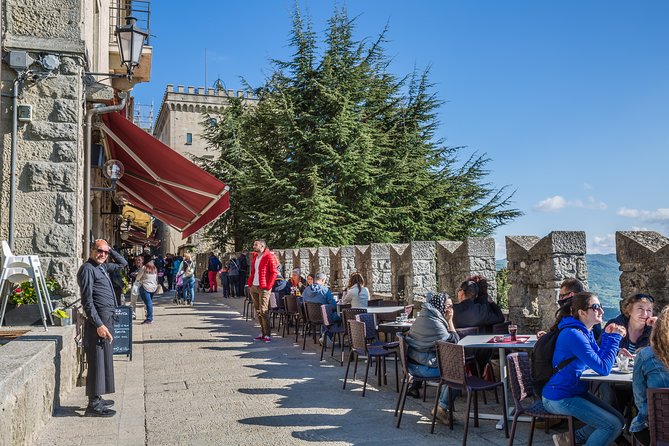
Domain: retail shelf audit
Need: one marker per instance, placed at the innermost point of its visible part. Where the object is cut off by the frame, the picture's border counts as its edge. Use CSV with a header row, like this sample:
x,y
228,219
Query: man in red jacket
x,y
261,278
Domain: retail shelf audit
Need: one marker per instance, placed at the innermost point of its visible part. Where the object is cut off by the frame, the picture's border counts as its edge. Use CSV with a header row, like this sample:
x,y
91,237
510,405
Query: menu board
x,y
122,343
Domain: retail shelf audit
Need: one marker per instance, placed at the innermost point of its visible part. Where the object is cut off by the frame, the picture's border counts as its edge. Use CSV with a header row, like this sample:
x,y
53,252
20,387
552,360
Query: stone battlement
x,y
536,267
202,91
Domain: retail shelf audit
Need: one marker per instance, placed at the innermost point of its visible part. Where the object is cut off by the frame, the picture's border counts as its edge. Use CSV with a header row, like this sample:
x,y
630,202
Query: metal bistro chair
x,y
408,377
658,416
451,359
520,381
314,320
337,330
471,360
371,333
359,348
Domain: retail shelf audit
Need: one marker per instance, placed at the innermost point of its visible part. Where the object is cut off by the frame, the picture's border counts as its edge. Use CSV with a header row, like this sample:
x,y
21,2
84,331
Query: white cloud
x,y
603,244
660,215
587,186
551,204
557,202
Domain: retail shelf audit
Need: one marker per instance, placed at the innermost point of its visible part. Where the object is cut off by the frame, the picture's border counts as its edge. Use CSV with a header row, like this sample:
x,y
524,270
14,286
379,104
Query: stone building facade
x,y
48,45
179,124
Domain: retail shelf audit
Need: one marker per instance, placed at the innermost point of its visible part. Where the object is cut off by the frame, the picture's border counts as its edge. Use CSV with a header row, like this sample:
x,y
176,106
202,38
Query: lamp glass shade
x,y
130,42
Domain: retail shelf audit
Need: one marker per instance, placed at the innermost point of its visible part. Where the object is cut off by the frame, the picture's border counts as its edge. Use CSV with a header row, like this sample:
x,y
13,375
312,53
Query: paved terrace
x,y
198,378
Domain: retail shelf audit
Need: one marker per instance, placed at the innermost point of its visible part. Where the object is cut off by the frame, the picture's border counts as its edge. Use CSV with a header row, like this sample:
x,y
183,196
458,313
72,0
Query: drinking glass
x,y
623,363
513,329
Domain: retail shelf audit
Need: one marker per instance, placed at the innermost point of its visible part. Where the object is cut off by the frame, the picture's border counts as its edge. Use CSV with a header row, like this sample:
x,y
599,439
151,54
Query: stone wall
x,y
644,264
49,206
37,371
458,260
537,266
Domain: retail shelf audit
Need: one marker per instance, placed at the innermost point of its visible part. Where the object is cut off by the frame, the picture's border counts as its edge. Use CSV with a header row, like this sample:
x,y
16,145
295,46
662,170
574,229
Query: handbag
x,y
135,290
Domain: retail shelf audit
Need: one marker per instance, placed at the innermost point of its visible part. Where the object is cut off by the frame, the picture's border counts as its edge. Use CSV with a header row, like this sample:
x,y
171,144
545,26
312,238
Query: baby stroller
x,y
179,293
204,282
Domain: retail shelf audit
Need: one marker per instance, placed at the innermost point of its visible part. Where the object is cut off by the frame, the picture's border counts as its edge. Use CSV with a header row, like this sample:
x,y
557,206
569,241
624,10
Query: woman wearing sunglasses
x,y
565,393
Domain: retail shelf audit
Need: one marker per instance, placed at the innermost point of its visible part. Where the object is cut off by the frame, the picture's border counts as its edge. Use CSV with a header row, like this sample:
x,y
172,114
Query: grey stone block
x,y
55,240
43,176
51,131
64,110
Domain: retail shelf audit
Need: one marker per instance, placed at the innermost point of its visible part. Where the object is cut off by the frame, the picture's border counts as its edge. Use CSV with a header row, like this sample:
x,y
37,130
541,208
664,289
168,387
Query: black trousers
x,y
99,355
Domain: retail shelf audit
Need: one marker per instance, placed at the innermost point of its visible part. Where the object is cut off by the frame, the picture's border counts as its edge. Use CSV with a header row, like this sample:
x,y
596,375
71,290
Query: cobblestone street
x,y
197,377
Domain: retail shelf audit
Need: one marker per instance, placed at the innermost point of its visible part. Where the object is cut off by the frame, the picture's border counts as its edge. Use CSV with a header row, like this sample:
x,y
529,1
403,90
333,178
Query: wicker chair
x,y
333,328
276,308
408,377
314,320
359,348
374,302
658,416
520,382
349,314
292,314
451,359
471,360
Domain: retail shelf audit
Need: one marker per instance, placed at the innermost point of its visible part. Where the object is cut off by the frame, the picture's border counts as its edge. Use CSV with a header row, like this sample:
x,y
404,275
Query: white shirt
x,y
256,276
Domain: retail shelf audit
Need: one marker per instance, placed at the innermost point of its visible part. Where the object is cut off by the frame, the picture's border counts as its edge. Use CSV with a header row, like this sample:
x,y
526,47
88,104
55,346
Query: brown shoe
x,y
442,415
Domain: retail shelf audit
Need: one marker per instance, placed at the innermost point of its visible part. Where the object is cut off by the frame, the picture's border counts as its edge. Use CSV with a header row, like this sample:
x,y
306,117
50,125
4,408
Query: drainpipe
x,y
12,163
87,166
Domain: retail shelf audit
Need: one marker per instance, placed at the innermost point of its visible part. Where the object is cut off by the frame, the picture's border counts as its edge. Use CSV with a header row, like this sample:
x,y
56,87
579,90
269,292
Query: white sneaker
x,y
561,439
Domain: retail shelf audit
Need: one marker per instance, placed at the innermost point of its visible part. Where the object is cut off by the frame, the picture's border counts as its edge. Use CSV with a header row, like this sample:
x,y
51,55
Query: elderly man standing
x,y
261,279
97,299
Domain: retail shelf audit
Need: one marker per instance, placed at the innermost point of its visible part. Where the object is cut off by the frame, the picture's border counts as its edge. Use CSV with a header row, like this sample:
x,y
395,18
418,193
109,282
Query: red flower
x,y
17,291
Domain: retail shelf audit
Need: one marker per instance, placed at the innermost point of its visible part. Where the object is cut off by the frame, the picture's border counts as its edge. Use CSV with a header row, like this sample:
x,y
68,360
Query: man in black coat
x,y
99,303
474,310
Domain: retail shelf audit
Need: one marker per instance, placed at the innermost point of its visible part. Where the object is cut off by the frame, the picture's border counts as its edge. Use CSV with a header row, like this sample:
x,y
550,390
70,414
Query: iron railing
x,y
120,9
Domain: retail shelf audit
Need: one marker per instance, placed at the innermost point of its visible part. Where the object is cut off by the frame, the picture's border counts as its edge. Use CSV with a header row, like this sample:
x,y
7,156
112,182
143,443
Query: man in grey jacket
x,y
434,323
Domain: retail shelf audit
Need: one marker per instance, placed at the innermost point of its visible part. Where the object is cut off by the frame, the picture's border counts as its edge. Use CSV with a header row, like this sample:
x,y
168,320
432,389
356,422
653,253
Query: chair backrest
x,y
501,329
374,302
357,331
520,376
6,252
658,416
313,312
404,352
388,303
451,359
369,320
349,315
343,307
273,304
326,313
466,331
290,302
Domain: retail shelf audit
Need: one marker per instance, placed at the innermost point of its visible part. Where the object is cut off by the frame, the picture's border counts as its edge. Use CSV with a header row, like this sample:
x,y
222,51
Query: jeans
x,y
225,284
430,372
148,301
234,289
189,288
603,424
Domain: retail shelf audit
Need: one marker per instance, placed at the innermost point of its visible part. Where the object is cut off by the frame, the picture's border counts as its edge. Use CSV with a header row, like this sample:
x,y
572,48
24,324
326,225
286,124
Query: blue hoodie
x,y
575,340
322,295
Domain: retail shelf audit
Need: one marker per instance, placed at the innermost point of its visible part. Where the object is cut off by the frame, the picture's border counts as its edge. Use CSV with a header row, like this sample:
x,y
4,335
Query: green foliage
x,y
25,293
339,151
503,286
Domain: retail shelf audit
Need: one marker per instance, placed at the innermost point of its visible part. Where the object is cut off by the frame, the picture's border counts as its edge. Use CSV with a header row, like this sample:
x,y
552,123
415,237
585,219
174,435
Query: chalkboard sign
x,y
122,343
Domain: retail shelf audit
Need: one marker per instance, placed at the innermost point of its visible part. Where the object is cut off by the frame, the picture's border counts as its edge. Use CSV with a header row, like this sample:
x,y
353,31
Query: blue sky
x,y
570,99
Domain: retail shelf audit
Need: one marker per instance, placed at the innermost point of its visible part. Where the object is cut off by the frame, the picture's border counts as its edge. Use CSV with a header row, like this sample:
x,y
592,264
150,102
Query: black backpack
x,y
542,360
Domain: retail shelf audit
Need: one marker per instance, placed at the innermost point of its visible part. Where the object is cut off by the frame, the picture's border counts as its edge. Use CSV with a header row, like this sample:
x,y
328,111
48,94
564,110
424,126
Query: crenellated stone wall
x,y
644,264
536,267
458,260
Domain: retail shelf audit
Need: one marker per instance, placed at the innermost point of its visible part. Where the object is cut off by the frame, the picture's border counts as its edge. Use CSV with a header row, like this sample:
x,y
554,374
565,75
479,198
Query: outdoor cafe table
x,y
484,341
614,377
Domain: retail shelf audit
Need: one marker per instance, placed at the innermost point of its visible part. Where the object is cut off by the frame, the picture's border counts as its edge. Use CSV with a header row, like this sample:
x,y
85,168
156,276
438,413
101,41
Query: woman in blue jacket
x,y
565,393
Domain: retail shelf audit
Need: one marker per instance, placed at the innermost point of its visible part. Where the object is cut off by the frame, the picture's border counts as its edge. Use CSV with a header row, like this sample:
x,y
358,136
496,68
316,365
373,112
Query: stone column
x,y
281,258
423,270
320,260
376,260
336,282
644,263
537,266
458,260
49,193
400,264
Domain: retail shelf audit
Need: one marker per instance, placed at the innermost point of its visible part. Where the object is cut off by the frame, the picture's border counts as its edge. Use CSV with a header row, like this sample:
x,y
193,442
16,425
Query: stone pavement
x,y
198,378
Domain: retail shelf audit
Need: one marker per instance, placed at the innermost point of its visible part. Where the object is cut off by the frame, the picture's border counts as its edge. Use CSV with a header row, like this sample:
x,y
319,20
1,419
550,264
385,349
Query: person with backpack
x,y
575,351
213,266
233,277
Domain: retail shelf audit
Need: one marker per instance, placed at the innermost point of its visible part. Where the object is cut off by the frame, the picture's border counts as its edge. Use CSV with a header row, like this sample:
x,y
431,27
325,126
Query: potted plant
x,y
22,308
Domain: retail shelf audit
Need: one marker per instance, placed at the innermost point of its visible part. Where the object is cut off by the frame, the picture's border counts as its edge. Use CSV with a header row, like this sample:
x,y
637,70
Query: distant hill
x,y
603,279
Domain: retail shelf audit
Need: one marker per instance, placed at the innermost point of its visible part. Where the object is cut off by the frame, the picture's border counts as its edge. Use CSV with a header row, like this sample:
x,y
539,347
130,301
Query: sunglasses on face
x,y
596,307
102,251
447,306
562,296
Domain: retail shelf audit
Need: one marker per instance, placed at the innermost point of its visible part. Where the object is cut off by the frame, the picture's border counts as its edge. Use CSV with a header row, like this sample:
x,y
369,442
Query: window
x,y
189,139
